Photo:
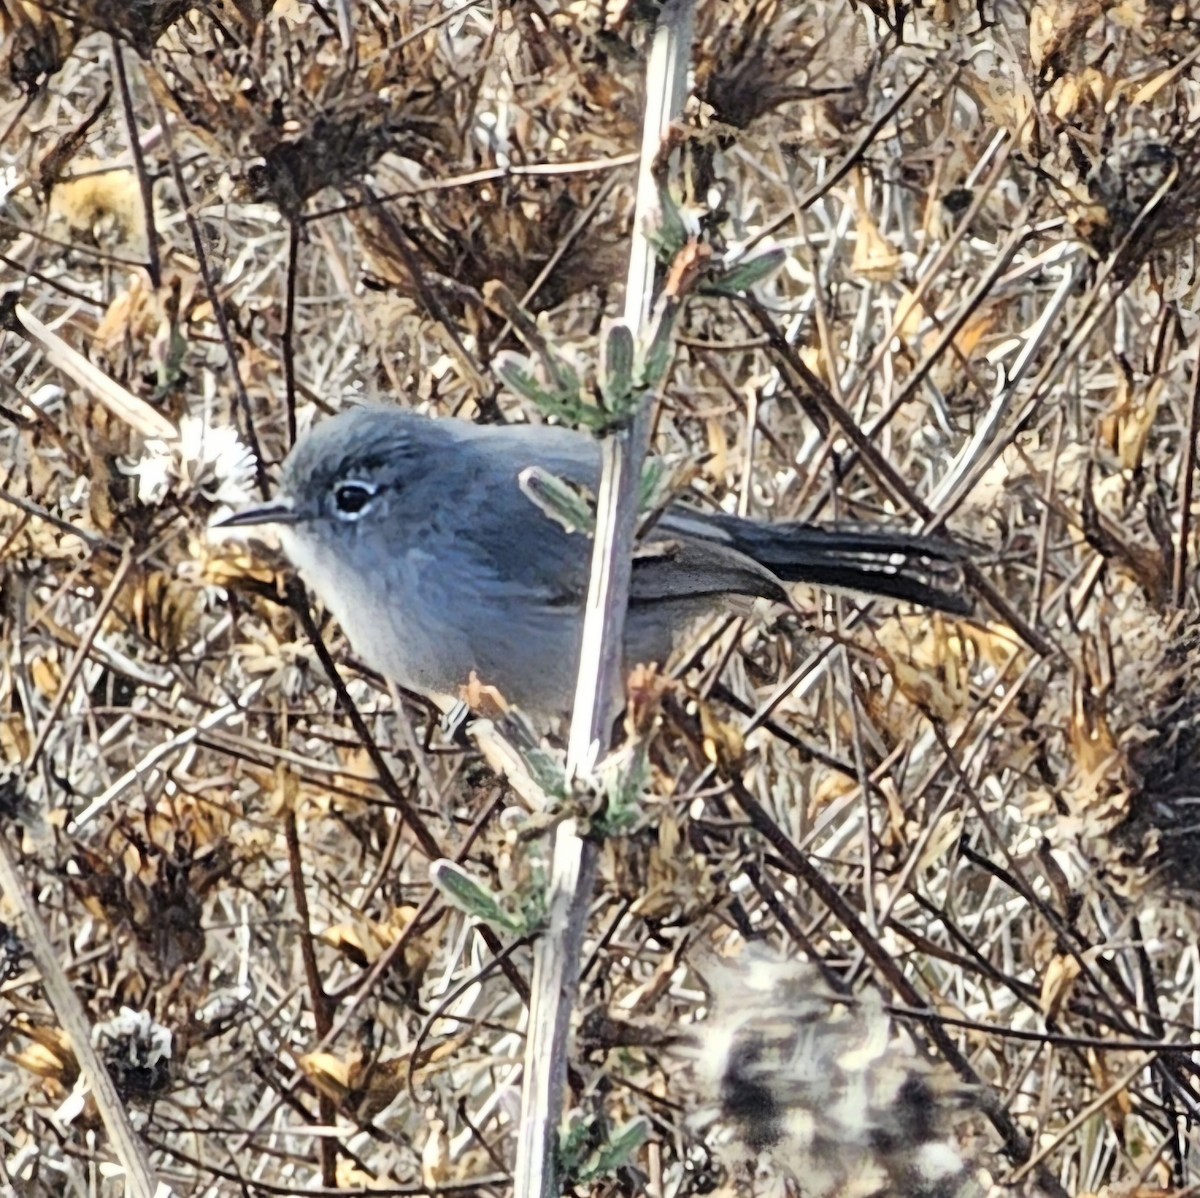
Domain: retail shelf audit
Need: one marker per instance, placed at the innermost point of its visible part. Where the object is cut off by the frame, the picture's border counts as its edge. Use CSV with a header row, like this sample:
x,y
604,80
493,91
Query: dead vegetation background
x,y
247,213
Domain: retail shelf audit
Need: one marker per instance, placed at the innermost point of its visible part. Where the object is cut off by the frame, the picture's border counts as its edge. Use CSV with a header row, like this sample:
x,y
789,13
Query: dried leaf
x,y
1120,1106
1056,25
1057,982
50,1055
46,674
932,671
945,835
724,744
483,699
1127,424
911,316
330,1074
100,203
875,257
1098,790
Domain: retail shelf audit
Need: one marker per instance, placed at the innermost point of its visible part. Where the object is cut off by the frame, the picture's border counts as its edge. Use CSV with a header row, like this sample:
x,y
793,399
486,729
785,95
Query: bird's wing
x,y
681,567
692,554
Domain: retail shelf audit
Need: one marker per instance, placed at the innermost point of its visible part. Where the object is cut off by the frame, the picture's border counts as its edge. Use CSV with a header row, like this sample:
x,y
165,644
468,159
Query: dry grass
x,y
986,320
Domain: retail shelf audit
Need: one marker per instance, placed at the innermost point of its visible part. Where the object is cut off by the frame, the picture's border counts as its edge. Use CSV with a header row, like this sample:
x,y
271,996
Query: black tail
x,y
893,565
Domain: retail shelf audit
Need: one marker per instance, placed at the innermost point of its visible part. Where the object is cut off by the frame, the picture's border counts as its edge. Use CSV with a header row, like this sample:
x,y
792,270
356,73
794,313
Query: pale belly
x,y
430,632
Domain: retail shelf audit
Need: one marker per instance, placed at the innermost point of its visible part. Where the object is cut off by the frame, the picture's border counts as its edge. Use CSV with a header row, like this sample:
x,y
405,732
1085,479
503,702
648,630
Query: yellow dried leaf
x,y
1127,424
225,563
436,1061
353,1177
1120,1106
645,690
284,791
365,940
353,940
132,313
1055,25
15,741
482,698
362,1086
892,836
100,490
199,818
1057,982
1092,740
162,608
874,256
1130,13
911,314
1148,91
99,203
50,1055
330,1074
46,675
1007,98
1043,34
832,786
968,338
1066,94
932,670
724,744
39,1059
357,775
1098,786
816,361
931,658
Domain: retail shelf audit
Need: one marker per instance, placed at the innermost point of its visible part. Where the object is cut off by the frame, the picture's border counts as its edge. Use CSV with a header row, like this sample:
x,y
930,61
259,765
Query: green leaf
x,y
558,499
656,482
623,783
618,1152
656,360
616,366
514,372
670,235
749,272
548,773
465,894
565,378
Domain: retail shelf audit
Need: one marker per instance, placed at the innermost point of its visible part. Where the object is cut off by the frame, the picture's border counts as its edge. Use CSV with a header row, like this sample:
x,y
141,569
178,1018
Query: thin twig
x,y
289,329
145,185
214,299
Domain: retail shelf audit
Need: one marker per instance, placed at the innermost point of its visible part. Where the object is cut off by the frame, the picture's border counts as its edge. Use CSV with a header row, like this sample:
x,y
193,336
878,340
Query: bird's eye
x,y
351,498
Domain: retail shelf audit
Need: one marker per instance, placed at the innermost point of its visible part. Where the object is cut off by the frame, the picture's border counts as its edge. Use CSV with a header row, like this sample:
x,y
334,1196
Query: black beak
x,y
274,511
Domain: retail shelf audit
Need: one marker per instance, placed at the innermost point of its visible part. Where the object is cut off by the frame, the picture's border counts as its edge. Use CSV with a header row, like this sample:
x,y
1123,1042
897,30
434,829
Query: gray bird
x,y
415,534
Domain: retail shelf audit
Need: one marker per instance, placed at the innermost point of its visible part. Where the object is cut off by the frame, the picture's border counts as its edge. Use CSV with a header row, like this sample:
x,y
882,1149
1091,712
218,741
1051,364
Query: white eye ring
x,y
352,497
